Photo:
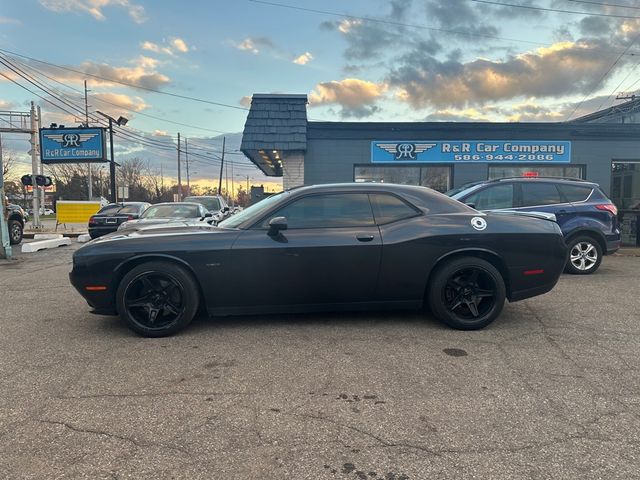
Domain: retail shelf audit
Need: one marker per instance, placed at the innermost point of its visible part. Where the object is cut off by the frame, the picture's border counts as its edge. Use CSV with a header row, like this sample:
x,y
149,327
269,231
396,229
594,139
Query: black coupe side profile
x,y
325,247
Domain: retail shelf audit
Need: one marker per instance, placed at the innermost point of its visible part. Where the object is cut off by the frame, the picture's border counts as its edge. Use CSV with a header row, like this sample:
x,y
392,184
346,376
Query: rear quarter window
x,y
388,208
575,193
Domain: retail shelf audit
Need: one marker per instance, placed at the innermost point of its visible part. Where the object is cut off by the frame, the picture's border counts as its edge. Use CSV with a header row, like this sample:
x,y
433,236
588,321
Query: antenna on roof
x,y
626,96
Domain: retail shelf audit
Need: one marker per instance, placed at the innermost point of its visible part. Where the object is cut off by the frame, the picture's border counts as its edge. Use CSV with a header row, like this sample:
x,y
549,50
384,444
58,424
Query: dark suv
x,y
587,217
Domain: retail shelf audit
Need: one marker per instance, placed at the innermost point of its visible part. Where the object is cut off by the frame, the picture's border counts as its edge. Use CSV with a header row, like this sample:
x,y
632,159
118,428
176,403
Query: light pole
x,y
121,121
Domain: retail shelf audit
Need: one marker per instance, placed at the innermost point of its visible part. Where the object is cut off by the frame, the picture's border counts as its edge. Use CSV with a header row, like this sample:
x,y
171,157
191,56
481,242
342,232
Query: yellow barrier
x,y
69,211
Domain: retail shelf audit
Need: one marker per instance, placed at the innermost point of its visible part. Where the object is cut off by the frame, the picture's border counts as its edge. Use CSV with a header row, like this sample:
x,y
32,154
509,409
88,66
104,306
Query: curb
x,y
30,235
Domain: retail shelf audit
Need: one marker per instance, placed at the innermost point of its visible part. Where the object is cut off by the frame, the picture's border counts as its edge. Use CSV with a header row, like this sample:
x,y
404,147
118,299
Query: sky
x,y
357,60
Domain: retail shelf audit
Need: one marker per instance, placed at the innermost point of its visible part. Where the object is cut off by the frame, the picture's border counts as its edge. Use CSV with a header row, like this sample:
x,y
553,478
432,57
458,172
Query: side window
x,y
494,197
328,211
539,194
575,193
387,208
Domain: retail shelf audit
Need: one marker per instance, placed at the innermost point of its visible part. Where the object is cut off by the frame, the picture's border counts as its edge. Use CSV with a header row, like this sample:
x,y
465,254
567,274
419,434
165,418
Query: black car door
x,y
329,254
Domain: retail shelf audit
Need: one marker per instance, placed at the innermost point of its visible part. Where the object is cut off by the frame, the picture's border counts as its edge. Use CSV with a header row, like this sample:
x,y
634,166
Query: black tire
x,y
15,231
466,293
584,255
157,299
94,235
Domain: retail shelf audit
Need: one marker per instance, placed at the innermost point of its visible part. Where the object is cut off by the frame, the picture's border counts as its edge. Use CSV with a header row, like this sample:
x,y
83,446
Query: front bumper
x,y
102,302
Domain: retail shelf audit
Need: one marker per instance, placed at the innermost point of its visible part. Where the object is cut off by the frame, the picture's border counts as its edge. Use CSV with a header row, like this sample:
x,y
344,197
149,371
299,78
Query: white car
x,y
47,211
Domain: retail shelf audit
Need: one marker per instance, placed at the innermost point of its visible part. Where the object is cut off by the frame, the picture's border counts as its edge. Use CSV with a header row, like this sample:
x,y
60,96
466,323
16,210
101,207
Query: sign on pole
x,y
71,145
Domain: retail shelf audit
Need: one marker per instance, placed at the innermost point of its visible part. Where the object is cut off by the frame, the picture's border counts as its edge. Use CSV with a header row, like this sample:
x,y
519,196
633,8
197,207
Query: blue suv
x,y
587,217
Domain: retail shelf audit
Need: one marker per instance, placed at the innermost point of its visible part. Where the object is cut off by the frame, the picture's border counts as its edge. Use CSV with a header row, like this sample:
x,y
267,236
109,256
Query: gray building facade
x,y
281,141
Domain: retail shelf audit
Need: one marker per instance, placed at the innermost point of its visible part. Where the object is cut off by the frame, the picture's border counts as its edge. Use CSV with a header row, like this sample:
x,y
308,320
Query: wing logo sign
x,y
405,151
68,140
71,145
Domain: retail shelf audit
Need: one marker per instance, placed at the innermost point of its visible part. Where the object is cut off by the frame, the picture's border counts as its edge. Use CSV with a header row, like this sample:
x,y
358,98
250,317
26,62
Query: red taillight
x,y
530,174
609,207
130,217
92,220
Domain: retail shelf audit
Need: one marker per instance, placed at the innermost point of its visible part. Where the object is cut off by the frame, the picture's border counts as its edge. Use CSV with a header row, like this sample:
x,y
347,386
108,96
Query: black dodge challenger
x,y
326,247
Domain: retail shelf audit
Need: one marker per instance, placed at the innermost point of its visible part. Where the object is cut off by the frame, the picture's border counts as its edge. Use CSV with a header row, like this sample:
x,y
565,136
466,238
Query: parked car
x,y
111,216
187,213
587,217
216,204
326,247
47,211
16,220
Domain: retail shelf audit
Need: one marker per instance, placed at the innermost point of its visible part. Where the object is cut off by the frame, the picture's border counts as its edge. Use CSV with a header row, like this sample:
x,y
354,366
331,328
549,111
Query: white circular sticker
x,y
478,223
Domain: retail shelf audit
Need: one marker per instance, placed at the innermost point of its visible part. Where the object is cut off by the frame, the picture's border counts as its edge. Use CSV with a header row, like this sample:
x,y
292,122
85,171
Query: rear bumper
x,y
98,231
613,244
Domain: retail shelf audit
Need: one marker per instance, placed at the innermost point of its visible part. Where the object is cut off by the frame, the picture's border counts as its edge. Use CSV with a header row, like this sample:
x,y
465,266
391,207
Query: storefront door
x,y
625,193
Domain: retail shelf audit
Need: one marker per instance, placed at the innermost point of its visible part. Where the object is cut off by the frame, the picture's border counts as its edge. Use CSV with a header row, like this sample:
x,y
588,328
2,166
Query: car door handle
x,y
364,237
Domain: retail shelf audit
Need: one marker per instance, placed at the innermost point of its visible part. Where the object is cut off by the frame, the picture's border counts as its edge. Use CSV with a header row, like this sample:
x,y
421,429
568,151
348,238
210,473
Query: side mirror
x,y
276,225
225,209
207,215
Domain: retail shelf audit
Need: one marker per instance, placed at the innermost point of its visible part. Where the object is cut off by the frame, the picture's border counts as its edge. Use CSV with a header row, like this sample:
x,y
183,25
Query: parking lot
x,y
550,390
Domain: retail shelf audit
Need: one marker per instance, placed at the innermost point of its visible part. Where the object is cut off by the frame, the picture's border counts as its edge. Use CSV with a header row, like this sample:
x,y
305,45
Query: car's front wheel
x,y
585,256
467,293
15,232
157,299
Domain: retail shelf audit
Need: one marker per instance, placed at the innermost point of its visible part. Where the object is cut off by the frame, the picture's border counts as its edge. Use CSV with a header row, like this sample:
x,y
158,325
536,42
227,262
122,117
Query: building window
x,y
501,171
436,177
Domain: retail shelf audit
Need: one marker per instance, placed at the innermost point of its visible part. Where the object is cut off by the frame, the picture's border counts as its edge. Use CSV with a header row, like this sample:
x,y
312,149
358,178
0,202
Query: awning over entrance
x,y
275,130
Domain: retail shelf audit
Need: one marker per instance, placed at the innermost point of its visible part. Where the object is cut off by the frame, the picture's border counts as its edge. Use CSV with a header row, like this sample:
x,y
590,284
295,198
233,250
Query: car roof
x,y
190,204
565,180
204,196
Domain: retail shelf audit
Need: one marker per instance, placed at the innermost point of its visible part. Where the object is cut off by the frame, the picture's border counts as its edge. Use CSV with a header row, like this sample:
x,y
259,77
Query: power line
x,y
557,10
107,102
602,78
602,4
132,85
410,25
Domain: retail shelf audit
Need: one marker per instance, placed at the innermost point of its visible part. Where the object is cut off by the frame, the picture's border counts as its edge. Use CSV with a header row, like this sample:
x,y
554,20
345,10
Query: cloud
x,y
9,21
178,44
95,7
357,98
7,105
160,133
142,74
365,40
459,13
125,101
245,101
171,47
303,59
563,68
254,44
155,48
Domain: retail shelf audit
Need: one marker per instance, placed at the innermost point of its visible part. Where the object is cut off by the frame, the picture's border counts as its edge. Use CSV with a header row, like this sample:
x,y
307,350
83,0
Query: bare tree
x,y
9,161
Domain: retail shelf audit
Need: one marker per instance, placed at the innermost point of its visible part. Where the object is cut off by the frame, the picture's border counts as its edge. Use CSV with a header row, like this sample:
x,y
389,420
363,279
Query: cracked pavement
x,y
550,390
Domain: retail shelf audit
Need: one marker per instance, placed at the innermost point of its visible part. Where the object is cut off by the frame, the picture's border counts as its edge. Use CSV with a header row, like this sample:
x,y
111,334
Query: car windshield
x,y
171,211
253,212
210,203
114,209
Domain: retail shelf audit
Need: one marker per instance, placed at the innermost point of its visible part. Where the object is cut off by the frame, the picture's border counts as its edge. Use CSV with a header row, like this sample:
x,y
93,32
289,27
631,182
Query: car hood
x,y
160,230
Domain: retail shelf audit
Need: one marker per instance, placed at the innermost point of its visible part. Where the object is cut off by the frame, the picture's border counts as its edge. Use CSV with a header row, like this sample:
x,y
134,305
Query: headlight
x,y
122,225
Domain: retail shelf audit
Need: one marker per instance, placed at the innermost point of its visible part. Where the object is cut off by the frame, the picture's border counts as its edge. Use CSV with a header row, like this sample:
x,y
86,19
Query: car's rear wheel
x,y
585,255
157,299
467,293
15,232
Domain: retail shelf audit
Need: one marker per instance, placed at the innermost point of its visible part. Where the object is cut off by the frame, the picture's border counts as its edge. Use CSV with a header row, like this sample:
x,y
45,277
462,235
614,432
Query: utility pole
x,y
161,180
86,124
221,166
233,188
41,165
179,176
186,159
226,179
34,168
5,244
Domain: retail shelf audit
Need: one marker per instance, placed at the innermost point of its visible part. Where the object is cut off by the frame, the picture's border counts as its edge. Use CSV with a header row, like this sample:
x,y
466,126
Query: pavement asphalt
x,y
549,390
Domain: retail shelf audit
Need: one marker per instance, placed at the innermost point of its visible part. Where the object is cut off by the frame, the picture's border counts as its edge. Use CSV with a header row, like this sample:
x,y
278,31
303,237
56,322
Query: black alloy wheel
x,y
467,293
157,299
15,232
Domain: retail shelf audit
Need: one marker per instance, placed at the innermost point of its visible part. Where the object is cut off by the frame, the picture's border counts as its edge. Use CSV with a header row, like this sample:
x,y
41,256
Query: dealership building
x,y
602,147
